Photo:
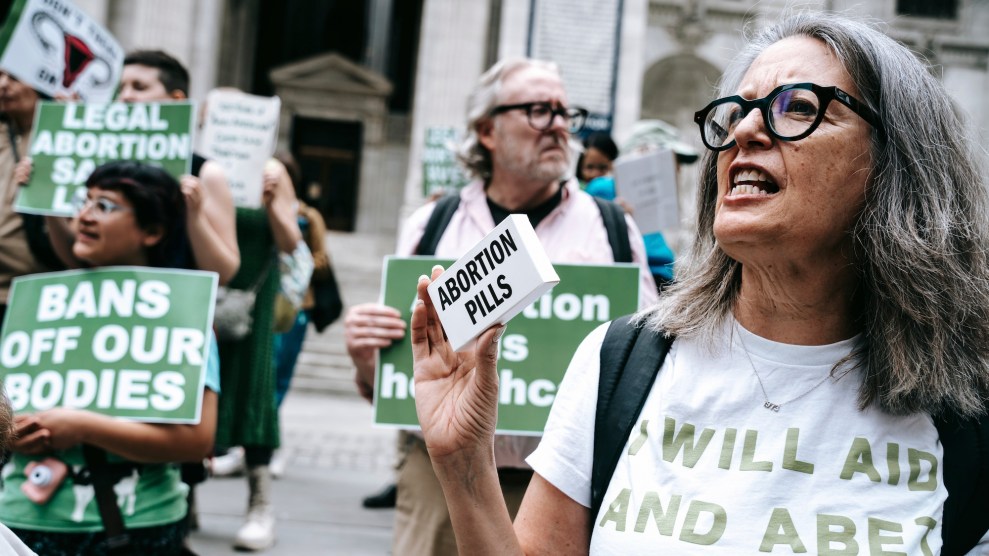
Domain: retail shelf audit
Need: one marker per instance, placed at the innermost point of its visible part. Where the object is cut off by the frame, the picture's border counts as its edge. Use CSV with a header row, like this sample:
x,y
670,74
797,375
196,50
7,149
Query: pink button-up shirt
x,y
573,232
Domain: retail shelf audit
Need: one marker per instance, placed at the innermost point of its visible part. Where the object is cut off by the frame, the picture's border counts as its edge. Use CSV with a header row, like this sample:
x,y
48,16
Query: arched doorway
x,y
677,86
673,89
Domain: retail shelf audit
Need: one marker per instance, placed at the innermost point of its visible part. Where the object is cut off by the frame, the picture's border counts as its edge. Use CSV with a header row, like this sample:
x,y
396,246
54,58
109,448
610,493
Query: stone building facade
x,y
403,66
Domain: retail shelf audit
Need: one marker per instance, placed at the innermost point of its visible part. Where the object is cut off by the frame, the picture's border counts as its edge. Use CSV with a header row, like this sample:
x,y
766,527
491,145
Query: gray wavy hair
x,y
475,157
920,240
7,434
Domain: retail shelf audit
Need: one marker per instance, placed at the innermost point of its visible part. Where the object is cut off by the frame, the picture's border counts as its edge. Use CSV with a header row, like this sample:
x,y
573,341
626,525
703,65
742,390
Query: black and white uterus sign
x,y
57,49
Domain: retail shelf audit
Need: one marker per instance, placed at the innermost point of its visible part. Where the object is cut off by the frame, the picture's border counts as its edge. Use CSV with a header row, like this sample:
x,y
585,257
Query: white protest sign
x,y
493,282
55,48
240,133
648,183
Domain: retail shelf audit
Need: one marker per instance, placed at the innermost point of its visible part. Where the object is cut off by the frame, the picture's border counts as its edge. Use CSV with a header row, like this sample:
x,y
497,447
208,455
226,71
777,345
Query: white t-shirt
x,y
708,469
10,545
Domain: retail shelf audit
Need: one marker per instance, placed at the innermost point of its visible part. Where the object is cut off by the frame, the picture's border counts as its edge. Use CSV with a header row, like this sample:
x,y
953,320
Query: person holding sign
x,y
250,419
155,76
212,243
826,382
133,214
21,236
517,150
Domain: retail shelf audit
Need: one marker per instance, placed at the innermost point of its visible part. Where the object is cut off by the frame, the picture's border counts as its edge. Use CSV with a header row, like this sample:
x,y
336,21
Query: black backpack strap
x,y
614,222
438,221
966,477
630,360
117,539
197,164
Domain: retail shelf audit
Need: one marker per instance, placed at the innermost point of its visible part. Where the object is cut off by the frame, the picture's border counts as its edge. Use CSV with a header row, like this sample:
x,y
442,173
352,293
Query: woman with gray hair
x,y
827,335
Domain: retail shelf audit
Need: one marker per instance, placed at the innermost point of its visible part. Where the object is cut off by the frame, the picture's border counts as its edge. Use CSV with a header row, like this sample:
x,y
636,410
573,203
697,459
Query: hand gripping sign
x,y
493,282
534,351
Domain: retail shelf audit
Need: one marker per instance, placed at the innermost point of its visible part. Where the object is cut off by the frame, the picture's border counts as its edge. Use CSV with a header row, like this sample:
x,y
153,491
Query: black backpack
x,y
630,360
612,215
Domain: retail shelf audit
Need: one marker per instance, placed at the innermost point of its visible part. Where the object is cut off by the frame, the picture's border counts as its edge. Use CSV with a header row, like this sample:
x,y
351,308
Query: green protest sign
x,y
535,350
130,342
440,170
72,139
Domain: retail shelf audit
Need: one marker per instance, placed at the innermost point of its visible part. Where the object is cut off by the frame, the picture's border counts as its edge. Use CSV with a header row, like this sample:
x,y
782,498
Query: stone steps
x,y
324,365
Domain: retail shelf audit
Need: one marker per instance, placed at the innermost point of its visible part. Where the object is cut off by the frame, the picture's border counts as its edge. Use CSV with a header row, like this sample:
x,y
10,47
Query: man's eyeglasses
x,y
101,207
790,112
541,115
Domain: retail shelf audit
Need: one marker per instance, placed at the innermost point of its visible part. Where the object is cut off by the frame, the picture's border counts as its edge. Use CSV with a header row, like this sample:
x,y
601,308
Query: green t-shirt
x,y
148,494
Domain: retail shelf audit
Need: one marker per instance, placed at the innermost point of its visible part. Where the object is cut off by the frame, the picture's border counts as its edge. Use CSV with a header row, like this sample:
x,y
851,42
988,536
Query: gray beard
x,y
550,172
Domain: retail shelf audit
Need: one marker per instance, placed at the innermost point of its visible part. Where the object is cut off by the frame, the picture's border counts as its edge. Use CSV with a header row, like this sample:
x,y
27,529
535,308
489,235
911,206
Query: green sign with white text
x,y
71,139
130,342
535,350
441,173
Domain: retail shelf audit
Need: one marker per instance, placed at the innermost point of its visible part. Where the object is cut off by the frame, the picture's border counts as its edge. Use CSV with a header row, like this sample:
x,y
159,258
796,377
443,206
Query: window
x,y
935,9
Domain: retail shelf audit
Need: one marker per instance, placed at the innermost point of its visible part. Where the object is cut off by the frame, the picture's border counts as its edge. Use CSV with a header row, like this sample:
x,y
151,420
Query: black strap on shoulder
x,y
438,221
966,477
640,352
117,539
630,360
612,215
614,222
197,164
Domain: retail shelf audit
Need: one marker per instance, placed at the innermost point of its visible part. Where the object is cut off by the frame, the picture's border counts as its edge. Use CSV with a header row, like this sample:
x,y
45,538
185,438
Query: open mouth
x,y
86,235
752,182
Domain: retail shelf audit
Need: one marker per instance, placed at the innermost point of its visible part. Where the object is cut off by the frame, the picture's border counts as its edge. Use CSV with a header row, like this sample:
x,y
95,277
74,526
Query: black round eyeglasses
x,y
790,112
542,114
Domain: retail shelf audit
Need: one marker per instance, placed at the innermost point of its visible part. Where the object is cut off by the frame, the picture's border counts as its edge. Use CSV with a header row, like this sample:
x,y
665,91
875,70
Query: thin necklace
x,y
775,407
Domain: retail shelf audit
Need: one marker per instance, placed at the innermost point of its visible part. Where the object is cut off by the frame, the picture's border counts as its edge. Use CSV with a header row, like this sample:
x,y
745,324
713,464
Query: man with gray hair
x,y
517,150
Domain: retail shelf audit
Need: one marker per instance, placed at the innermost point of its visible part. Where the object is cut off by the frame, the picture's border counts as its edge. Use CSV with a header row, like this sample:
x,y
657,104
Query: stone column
x,y
205,51
451,56
150,24
96,9
380,32
631,59
186,29
236,43
514,28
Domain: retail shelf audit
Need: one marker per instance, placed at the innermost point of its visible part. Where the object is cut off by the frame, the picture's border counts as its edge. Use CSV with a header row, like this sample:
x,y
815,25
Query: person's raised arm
x,y
278,198
457,405
212,221
61,428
